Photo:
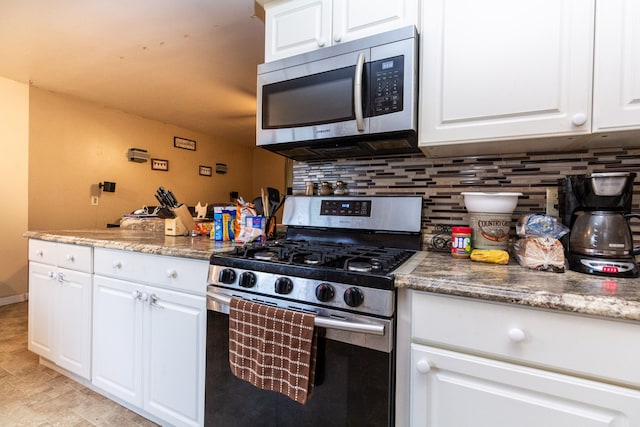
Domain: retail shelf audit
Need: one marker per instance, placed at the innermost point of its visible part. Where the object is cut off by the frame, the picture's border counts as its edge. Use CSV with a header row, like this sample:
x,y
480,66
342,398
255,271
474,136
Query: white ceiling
x,y
191,63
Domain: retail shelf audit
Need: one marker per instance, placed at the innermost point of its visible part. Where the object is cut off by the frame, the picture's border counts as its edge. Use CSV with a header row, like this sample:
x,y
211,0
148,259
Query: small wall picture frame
x,y
159,165
205,170
184,143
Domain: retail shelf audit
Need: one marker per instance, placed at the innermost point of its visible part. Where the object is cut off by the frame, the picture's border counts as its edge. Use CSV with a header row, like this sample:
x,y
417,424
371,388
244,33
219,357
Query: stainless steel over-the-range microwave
x,y
350,99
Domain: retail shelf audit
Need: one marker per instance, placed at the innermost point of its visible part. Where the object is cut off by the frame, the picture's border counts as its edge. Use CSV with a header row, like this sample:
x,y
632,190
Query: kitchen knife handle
x,y
357,92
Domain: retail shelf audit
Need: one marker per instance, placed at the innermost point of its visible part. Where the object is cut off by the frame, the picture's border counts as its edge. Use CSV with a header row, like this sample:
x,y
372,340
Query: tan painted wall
x,y
269,171
74,145
14,140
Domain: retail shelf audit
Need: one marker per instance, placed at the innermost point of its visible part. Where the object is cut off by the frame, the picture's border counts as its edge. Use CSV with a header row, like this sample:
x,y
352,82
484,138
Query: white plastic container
x,y
490,217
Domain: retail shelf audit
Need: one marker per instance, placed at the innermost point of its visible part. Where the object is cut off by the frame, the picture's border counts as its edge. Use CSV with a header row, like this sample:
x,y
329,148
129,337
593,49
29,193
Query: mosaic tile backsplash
x,y
440,181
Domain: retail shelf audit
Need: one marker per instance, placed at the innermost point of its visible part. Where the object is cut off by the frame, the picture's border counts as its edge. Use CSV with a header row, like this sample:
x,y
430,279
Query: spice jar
x,y
311,189
341,188
326,189
460,242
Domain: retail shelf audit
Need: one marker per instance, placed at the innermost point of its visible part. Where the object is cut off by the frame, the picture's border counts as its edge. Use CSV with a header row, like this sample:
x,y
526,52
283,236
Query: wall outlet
x,y
552,202
95,200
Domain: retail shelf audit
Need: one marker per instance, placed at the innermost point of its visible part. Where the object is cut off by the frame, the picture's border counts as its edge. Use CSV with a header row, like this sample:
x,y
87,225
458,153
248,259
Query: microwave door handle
x,y
357,92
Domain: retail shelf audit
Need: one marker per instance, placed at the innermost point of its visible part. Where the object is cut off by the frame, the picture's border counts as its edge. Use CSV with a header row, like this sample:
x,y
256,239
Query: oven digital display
x,y
346,208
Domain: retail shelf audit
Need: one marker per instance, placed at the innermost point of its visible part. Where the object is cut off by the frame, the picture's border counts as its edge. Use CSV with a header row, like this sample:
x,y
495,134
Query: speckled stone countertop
x,y
616,298
429,271
200,247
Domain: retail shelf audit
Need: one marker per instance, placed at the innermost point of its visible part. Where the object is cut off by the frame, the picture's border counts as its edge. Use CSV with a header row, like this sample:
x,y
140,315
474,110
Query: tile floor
x,y
33,395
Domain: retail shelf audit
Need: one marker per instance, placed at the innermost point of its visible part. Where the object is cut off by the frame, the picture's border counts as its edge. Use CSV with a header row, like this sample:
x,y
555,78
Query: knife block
x,y
174,227
182,224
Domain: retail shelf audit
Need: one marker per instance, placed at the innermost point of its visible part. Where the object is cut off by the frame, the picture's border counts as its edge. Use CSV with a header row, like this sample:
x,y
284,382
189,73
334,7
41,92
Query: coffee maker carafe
x,y
597,208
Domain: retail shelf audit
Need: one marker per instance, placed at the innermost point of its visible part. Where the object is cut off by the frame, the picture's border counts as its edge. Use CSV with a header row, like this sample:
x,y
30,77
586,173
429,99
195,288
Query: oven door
x,y
354,384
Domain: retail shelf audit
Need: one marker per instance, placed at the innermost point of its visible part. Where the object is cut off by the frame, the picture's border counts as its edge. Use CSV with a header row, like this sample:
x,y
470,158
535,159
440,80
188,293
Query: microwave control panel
x,y
387,85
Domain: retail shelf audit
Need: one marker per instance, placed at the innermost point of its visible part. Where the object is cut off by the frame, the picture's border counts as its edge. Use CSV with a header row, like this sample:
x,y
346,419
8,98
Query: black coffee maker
x,y
597,207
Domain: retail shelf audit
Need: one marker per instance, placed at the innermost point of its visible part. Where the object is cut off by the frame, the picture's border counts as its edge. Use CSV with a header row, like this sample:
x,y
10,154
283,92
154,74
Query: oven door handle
x,y
320,321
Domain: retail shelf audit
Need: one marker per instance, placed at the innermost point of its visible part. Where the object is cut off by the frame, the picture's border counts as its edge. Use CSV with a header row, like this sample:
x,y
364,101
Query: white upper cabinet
x,y
354,19
616,86
504,69
298,26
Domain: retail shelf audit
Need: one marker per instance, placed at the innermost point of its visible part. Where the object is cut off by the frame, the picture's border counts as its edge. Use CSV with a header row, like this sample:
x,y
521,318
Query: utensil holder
x,y
174,227
182,213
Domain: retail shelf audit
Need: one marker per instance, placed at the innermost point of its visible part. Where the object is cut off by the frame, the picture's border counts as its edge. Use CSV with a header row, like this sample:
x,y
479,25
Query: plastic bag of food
x,y
252,229
540,253
243,209
540,225
492,256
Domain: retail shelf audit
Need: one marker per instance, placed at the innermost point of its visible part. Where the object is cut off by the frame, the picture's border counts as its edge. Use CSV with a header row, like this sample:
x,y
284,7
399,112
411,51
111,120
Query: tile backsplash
x,y
440,181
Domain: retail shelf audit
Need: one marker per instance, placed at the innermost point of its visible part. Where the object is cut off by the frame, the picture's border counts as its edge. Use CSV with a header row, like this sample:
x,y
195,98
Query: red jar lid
x,y
463,230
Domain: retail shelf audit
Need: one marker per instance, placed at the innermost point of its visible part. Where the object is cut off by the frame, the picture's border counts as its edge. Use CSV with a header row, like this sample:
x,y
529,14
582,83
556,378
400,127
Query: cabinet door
x,y
616,85
354,19
117,338
174,356
296,27
42,291
454,389
504,69
73,322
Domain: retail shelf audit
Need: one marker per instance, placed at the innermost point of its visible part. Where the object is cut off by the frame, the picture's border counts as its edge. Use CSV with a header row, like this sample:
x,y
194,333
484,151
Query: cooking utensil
x,y
274,199
257,203
172,199
265,203
166,198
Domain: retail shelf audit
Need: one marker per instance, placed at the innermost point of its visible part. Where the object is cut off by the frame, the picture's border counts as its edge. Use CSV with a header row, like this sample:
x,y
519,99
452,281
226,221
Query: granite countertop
x,y
616,298
149,242
435,272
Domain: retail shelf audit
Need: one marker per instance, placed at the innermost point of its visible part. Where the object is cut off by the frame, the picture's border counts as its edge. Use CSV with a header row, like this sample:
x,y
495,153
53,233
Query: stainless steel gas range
x,y
338,262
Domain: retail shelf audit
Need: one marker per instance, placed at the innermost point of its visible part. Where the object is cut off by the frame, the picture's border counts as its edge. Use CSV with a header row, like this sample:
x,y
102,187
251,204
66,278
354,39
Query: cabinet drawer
x,y
73,257
42,251
599,348
171,272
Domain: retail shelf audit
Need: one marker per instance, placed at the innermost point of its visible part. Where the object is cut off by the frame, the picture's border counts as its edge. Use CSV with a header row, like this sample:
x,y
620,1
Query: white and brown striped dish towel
x,y
273,348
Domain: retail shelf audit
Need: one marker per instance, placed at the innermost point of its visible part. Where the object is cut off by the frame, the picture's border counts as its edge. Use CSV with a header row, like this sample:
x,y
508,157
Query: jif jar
x,y
460,242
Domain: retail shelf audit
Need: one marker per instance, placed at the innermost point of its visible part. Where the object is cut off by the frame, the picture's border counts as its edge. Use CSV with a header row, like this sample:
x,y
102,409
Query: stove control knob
x,y
247,280
324,292
353,297
227,276
283,285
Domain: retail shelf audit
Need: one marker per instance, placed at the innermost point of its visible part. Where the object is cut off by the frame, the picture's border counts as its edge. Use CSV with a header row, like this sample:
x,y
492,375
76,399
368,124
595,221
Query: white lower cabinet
x,y
149,348
466,362
59,327
451,389
60,317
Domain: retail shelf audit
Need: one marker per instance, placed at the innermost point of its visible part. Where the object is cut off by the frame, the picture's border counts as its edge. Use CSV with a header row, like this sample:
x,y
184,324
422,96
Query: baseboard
x,y
13,299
